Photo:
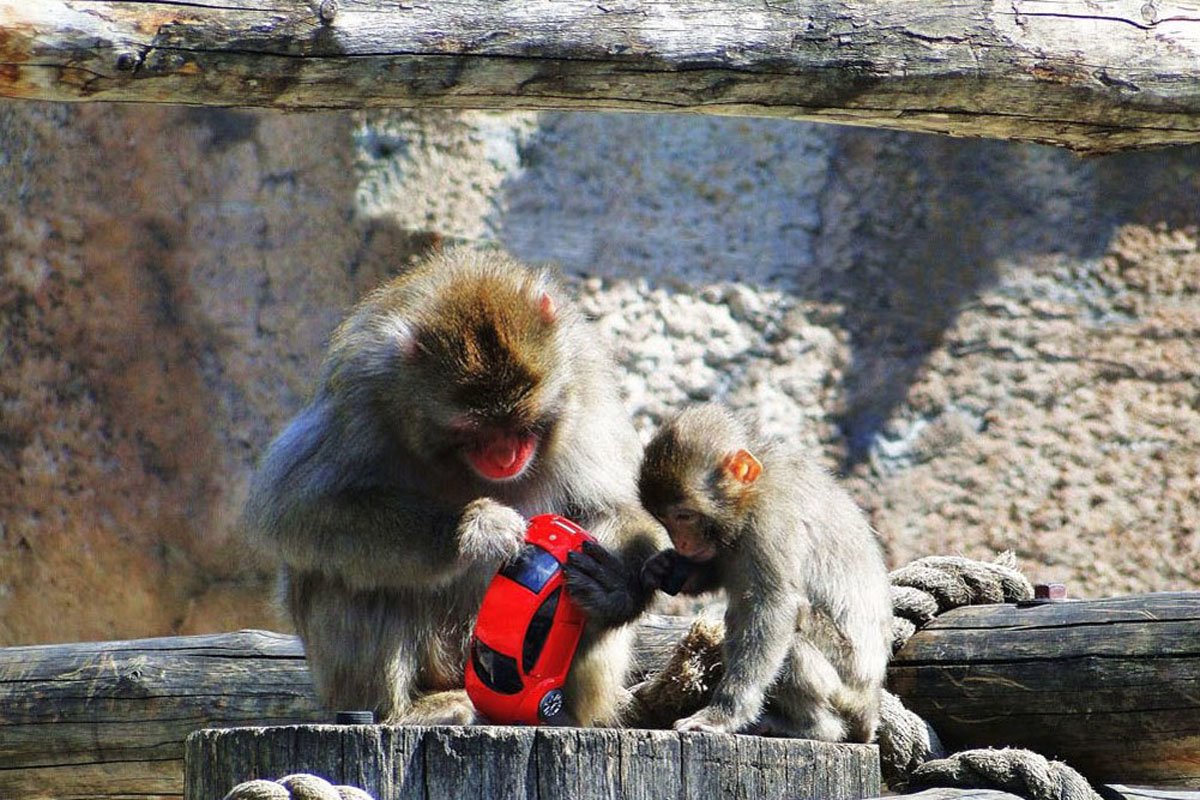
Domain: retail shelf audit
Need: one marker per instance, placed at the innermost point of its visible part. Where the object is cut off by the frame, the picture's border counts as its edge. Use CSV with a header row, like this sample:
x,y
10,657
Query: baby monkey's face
x,y
689,531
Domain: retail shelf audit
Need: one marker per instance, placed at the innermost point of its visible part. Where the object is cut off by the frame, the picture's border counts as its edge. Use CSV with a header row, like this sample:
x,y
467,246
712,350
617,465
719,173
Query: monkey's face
x,y
676,490
690,531
492,380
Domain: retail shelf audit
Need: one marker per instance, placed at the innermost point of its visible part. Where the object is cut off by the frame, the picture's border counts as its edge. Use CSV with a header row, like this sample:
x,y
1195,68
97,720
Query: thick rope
x,y
685,684
300,786
920,591
905,741
1020,772
935,584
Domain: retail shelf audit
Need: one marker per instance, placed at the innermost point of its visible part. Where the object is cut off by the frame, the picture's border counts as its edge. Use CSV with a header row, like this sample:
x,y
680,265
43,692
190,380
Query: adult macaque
x,y
809,612
454,402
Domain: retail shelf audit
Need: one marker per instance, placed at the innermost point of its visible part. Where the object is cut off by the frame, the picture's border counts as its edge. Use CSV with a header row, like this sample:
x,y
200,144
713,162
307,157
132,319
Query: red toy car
x,y
527,630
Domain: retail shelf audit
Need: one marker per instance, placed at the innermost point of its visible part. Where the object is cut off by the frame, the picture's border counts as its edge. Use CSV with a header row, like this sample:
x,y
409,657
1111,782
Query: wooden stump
x,y
515,763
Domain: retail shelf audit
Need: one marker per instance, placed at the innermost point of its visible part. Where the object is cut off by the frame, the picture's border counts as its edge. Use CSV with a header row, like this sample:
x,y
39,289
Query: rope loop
x,y
300,786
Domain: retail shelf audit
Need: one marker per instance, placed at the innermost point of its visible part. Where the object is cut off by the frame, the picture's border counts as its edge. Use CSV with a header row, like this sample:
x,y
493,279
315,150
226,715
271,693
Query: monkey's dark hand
x,y
608,591
666,570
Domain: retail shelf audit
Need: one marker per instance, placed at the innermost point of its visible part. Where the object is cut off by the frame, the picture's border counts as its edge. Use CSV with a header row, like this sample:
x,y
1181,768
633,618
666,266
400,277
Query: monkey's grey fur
x,y
809,612
388,539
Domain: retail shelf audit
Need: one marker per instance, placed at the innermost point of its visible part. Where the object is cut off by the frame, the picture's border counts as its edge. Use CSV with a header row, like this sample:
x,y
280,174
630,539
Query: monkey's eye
x,y
684,517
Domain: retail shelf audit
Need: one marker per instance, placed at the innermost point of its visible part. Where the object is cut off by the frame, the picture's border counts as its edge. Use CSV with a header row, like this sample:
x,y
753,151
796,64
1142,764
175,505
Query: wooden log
x,y
1116,679
447,763
1111,792
108,719
1112,687
1094,77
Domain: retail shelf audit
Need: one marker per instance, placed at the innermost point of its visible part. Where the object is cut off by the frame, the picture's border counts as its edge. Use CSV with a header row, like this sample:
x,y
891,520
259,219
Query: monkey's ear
x,y
402,335
742,466
547,308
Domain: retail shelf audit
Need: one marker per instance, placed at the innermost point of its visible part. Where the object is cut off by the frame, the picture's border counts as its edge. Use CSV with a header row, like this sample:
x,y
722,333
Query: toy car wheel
x,y
550,708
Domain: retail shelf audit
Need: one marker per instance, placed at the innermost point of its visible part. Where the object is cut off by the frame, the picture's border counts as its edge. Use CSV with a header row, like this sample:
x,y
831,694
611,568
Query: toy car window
x,y
497,671
539,629
531,567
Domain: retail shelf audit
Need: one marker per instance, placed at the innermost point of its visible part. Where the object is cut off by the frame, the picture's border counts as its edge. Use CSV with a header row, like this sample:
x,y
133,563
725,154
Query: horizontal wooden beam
x,y
1095,76
1109,686
1112,687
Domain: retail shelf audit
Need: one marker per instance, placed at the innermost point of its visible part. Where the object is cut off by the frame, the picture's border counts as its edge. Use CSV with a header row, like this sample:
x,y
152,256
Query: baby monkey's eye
x,y
684,516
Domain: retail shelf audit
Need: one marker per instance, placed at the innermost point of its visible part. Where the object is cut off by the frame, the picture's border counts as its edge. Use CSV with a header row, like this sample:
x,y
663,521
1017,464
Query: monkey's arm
x,y
606,583
319,504
759,626
388,538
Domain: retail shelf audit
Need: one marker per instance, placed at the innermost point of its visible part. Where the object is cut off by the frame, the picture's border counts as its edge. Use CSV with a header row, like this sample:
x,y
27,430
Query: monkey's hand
x,y
666,570
607,590
489,531
707,720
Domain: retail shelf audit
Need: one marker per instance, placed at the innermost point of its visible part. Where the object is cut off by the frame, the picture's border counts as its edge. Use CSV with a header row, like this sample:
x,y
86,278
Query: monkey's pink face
x,y
686,529
502,456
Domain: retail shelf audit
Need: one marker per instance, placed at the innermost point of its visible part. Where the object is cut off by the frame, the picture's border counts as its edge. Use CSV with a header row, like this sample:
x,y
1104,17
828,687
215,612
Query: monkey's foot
x,y
706,720
441,708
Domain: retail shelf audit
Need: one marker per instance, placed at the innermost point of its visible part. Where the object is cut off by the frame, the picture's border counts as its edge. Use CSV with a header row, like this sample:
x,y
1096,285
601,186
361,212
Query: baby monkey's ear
x,y
742,466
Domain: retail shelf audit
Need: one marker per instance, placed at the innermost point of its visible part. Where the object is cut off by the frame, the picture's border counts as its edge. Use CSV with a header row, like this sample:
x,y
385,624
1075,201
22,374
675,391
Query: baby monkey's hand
x,y
666,570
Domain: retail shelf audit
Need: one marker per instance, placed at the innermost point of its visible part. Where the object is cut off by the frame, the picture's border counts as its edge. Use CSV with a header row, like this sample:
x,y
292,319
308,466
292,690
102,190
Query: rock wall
x,y
995,344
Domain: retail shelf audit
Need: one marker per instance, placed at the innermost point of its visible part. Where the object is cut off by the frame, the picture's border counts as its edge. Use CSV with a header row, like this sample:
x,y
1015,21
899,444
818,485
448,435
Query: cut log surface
x,y
1095,77
108,719
450,763
1112,687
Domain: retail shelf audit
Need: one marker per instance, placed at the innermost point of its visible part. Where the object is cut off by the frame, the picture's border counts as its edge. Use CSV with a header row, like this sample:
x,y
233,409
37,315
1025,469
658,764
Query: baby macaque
x,y
455,402
809,610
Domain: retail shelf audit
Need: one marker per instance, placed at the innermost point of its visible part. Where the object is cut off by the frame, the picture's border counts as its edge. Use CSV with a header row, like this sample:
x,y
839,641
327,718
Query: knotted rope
x,y
300,786
1021,772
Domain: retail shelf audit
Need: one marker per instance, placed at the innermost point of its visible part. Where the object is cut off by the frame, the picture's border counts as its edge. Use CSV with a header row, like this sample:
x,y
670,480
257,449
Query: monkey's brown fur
x,y
809,611
387,527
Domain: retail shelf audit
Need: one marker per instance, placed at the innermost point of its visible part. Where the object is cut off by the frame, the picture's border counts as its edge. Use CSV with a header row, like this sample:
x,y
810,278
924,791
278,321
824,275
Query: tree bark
x,y
1093,77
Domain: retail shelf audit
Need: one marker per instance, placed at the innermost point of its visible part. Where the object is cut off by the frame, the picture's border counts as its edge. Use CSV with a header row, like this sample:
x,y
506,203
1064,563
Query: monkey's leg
x,y
803,699
594,691
365,649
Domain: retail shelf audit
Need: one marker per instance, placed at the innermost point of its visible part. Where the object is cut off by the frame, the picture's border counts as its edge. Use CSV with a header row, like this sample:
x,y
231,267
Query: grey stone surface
x,y
995,344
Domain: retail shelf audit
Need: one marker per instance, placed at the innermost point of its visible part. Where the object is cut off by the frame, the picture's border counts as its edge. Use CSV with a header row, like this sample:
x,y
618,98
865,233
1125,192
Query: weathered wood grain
x,y
957,794
1111,792
1098,76
108,719
1111,686
532,763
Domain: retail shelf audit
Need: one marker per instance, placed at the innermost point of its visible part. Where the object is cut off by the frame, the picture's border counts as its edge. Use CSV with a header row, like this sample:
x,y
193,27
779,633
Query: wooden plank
x,y
1119,792
1112,687
1087,682
533,763
1110,792
1094,77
